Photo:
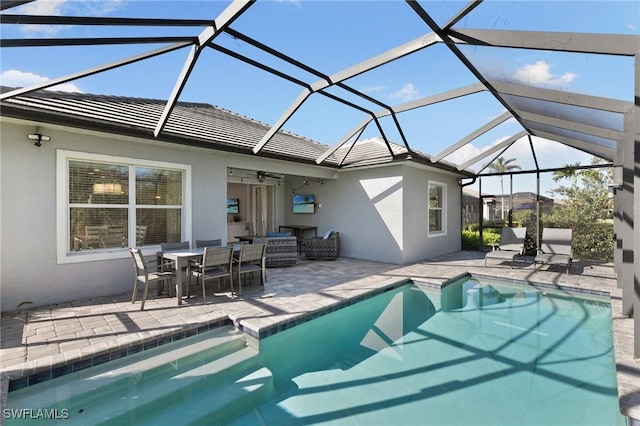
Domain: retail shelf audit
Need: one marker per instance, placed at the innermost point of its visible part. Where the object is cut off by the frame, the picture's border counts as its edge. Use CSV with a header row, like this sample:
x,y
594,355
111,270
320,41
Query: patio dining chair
x,y
165,266
217,262
252,258
183,245
209,243
144,275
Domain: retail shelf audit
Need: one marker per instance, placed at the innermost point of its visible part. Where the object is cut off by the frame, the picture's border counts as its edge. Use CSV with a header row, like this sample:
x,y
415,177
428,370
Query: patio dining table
x,y
181,259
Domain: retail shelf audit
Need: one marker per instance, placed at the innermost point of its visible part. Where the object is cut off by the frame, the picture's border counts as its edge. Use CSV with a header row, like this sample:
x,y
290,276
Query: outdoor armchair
x,y
511,245
327,247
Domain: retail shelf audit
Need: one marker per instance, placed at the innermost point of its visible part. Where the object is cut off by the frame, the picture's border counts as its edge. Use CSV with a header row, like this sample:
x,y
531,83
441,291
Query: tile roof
x,y
193,124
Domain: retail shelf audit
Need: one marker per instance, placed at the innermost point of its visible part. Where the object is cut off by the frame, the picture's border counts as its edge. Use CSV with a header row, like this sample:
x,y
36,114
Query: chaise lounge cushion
x,y
281,251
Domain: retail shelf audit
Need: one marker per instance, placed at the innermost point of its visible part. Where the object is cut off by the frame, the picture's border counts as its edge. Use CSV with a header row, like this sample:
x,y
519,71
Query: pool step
x,y
211,404
116,380
163,393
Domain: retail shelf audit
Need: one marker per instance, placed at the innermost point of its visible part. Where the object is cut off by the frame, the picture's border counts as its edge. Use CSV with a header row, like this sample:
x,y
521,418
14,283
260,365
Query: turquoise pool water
x,y
471,354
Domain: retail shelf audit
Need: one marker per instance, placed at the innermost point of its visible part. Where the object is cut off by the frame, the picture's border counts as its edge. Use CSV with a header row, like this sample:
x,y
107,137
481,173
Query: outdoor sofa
x,y
281,250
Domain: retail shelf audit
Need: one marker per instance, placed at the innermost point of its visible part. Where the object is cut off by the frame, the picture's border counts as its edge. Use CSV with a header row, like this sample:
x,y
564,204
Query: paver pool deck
x,y
44,342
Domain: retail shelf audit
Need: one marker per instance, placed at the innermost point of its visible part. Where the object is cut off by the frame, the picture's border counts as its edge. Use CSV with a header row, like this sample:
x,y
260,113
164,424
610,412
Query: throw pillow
x,y
328,234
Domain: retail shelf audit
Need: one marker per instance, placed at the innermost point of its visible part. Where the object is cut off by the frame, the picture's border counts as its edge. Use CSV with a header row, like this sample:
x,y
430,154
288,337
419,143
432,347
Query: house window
x,y
112,203
437,209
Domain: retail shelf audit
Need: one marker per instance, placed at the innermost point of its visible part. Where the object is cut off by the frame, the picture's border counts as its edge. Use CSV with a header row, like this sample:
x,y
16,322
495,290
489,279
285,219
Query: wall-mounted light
x,y
230,171
38,137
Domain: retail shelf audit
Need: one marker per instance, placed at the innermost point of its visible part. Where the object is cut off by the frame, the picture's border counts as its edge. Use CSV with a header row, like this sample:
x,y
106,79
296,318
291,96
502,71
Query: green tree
x,y
502,165
569,172
588,211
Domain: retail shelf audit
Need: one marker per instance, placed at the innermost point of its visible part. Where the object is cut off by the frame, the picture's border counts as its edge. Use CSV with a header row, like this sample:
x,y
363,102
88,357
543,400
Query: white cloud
x,y
50,7
65,8
632,26
370,89
540,74
464,153
469,151
15,78
407,93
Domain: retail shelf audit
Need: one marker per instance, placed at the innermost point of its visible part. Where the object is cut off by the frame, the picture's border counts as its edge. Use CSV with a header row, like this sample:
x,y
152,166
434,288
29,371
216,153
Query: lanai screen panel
x,y
577,114
272,52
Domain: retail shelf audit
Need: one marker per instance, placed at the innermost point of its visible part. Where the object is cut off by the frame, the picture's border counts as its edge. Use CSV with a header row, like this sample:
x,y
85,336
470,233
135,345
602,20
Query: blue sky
x,y
331,36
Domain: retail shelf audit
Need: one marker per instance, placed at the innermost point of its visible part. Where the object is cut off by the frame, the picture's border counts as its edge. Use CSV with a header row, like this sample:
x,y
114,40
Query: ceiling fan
x,y
261,176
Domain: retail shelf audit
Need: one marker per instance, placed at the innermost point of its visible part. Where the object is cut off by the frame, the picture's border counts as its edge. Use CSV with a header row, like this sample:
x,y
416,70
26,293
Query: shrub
x,y
591,241
472,227
471,239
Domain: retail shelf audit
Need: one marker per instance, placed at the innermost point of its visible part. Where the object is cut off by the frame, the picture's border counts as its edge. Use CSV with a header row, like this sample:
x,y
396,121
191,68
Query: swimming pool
x,y
473,353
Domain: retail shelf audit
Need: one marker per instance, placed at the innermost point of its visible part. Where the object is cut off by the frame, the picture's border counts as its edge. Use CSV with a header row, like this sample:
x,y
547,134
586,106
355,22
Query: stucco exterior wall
x,y
29,270
381,213
419,244
364,205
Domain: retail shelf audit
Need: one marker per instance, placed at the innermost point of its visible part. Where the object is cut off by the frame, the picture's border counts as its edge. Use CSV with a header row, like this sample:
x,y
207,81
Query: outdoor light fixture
x,y
38,137
230,171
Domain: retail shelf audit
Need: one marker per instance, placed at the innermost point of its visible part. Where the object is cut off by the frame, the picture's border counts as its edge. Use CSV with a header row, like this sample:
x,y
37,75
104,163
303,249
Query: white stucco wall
x,y
418,244
29,270
381,213
365,206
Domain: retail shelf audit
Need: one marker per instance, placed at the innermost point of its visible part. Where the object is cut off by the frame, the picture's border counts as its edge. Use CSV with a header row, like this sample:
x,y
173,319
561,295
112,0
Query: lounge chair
x,y
511,245
555,248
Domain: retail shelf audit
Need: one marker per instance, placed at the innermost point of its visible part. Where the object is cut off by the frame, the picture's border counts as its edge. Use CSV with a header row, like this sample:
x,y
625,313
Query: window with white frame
x,y
112,203
437,208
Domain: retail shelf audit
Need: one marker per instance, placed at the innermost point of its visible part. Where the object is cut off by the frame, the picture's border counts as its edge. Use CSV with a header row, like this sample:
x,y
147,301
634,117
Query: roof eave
x,y
62,119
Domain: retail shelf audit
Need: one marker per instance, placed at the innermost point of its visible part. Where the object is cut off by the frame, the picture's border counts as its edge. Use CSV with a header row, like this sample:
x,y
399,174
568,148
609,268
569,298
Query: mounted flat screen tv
x,y
304,203
233,206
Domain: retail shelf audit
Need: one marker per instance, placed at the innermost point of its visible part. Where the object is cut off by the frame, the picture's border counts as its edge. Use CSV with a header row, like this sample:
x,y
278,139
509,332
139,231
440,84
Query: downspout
x,y
462,185
480,214
473,180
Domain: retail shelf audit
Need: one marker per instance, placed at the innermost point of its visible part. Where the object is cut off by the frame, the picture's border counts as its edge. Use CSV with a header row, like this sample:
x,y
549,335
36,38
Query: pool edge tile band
x,y
270,330
17,378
